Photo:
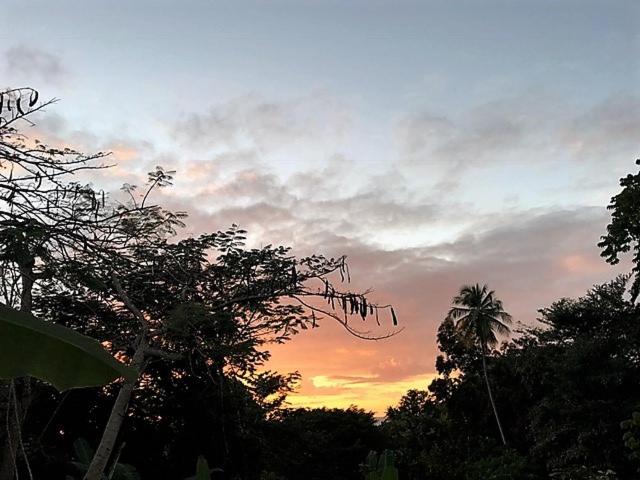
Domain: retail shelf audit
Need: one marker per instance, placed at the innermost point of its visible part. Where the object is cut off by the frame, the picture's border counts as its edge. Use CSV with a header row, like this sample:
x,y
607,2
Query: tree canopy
x,y
623,233
187,314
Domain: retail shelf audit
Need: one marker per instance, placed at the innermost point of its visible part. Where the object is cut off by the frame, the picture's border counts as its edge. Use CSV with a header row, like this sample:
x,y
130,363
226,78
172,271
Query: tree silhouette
x,y
623,233
48,219
479,315
208,298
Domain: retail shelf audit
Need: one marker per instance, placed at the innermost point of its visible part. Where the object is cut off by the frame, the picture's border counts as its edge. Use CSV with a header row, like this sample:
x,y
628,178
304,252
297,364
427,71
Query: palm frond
x,y
500,327
479,314
457,312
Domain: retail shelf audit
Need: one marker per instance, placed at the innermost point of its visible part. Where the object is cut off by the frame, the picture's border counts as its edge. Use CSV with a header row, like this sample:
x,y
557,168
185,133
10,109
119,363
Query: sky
x,y
435,143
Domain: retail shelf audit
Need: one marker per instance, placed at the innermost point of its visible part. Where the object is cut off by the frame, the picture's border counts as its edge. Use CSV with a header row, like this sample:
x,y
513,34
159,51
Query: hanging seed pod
x,y
344,304
32,100
313,319
393,317
326,289
19,106
377,319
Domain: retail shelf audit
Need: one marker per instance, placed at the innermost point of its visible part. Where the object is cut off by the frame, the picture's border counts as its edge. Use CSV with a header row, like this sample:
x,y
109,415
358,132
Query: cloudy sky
x,y
435,143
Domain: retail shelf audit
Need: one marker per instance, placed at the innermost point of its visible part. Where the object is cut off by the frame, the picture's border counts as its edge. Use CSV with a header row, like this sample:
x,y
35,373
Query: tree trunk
x,y
27,279
20,404
493,405
118,411
10,447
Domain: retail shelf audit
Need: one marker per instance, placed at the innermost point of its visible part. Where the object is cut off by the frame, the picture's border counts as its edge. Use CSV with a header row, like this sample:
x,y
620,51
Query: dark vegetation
x,y
194,318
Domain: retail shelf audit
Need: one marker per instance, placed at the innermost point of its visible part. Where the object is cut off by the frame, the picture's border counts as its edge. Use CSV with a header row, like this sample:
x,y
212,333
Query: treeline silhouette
x,y
193,320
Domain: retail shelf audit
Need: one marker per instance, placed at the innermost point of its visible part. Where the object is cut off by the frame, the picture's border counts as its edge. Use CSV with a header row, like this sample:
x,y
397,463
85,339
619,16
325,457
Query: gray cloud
x,y
252,121
25,63
253,197
611,125
524,128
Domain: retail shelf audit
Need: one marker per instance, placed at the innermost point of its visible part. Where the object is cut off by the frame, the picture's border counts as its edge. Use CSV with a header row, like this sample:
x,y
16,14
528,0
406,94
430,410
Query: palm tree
x,y
478,316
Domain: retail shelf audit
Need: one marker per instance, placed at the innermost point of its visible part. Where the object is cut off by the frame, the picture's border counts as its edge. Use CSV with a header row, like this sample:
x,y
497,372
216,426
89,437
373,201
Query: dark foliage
x,y
320,443
623,233
563,389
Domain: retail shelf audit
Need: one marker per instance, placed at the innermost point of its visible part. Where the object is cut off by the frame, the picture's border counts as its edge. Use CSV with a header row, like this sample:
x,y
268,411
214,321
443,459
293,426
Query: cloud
x,y
25,63
612,124
262,202
128,159
526,128
251,121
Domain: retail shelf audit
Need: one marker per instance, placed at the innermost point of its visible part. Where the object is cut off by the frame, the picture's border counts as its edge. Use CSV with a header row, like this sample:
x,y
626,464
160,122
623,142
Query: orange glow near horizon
x,y
374,395
339,371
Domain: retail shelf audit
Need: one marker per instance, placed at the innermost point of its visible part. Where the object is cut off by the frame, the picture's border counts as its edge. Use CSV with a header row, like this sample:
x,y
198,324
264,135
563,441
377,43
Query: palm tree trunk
x,y
493,405
104,451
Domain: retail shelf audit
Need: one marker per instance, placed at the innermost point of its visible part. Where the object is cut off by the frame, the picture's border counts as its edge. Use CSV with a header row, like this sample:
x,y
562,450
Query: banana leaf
x,y
53,353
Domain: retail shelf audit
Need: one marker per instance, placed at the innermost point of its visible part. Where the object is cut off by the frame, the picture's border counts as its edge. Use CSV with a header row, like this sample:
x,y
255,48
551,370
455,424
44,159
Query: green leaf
x,y
82,450
125,472
53,353
203,472
202,469
389,473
